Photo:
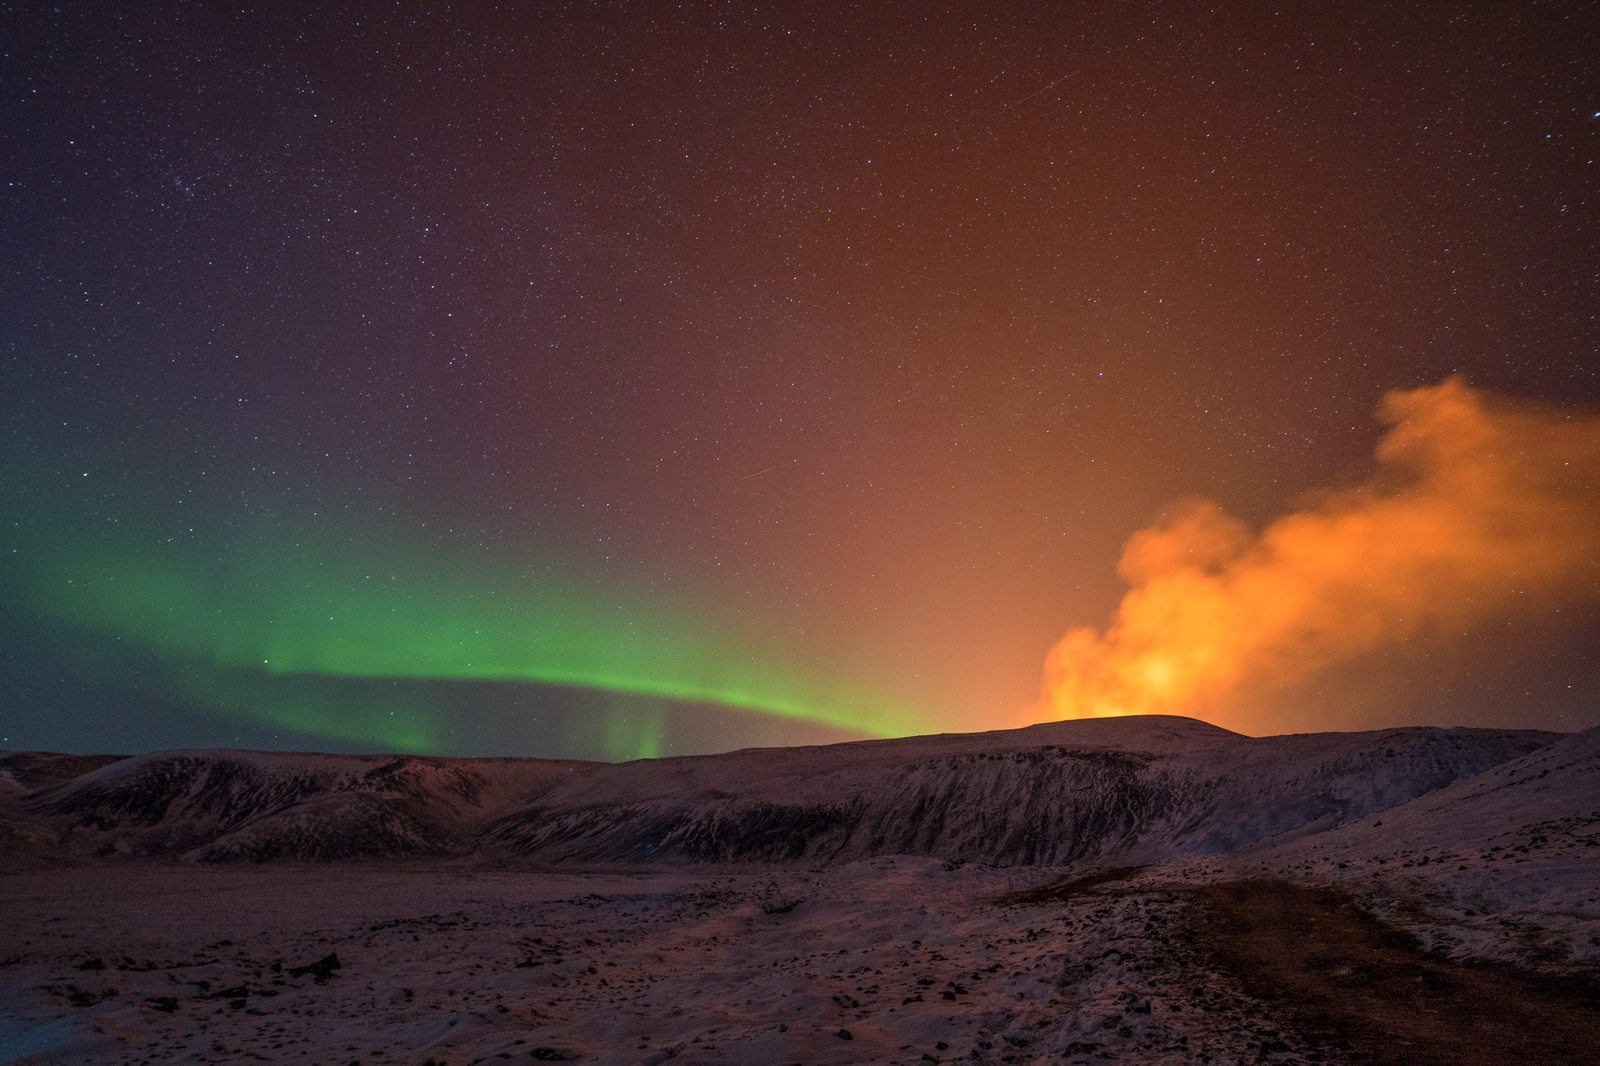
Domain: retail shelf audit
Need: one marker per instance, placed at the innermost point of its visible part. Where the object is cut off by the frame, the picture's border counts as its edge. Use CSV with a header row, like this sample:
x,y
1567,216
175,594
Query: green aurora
x,y
238,626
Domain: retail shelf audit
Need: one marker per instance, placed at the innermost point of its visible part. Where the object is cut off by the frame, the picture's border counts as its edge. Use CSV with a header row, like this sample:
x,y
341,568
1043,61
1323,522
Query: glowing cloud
x,y
1478,509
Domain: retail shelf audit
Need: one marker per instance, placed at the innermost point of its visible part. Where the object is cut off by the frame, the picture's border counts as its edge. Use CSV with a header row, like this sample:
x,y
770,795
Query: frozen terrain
x,y
1133,890
1068,792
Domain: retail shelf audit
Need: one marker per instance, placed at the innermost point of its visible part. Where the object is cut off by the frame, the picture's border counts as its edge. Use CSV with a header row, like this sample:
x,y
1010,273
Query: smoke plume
x,y
1478,509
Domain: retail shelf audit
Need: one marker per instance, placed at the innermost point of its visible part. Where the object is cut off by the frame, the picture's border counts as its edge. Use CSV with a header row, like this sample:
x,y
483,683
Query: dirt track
x,y
1359,991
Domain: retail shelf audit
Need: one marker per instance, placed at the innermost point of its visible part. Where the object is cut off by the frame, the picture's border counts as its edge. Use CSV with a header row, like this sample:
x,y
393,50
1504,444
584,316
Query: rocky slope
x,y
214,806
1133,789
1511,854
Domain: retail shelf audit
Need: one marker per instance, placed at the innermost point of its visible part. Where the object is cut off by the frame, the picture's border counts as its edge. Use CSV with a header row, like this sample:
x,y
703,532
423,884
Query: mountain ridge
x,y
1114,789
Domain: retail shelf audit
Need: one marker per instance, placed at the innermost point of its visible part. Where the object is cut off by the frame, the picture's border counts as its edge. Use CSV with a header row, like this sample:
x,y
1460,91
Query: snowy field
x,y
884,960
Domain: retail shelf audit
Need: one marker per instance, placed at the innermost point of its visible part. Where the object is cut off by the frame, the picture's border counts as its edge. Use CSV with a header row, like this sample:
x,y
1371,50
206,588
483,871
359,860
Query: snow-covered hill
x,y
1128,789
216,806
1512,854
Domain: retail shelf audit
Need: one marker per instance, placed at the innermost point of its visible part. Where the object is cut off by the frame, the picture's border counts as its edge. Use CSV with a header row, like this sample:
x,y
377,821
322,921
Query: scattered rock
x,y
322,969
82,997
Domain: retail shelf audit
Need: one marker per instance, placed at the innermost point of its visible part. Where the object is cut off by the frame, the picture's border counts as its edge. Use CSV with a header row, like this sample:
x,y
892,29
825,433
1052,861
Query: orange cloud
x,y
1477,509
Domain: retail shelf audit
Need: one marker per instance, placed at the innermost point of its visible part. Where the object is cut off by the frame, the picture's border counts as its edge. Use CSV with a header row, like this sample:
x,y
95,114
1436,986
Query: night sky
x,y
620,380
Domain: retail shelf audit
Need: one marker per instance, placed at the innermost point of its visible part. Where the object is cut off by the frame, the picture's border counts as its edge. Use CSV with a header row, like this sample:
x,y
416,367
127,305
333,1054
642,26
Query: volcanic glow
x,y
676,379
1477,510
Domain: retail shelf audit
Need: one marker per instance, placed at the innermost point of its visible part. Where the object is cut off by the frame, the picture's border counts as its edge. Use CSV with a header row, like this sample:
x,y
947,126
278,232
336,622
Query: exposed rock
x,y
322,969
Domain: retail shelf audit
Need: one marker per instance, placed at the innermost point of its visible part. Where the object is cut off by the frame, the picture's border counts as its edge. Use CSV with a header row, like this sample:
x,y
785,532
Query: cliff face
x,y
1036,805
1113,789
1040,803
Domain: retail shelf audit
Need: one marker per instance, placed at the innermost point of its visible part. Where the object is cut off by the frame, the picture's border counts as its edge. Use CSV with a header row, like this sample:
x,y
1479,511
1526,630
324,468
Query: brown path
x,y
1363,992
1065,889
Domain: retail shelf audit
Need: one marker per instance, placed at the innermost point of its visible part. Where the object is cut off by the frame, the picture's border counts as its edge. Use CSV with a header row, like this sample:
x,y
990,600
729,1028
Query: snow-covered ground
x,y
885,960
481,933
